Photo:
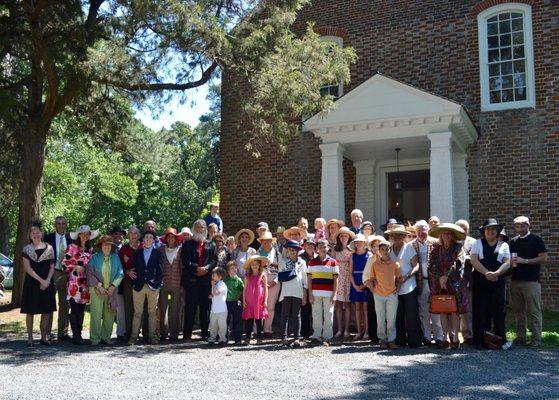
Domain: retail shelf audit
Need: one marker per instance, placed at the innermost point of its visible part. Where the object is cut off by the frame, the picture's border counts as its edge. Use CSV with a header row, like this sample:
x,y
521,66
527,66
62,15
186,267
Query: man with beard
x,y
199,259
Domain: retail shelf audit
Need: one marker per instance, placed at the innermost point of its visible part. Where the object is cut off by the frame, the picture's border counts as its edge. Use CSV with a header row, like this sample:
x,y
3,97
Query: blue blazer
x,y
152,273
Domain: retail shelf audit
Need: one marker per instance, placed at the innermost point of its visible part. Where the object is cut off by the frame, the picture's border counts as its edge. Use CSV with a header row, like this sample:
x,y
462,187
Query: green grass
x,y
550,332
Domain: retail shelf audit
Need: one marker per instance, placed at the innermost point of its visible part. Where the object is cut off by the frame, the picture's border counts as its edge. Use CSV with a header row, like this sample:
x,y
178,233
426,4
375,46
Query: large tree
x,y
56,54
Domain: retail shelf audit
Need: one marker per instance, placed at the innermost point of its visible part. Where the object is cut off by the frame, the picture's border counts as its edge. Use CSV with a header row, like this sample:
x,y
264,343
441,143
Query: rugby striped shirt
x,y
322,275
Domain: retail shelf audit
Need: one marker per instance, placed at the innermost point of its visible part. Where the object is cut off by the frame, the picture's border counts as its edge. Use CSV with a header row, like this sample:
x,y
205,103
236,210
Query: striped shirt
x,y
322,275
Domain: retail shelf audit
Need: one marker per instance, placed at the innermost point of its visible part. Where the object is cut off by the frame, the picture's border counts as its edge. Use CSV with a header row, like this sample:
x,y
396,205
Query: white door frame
x,y
382,169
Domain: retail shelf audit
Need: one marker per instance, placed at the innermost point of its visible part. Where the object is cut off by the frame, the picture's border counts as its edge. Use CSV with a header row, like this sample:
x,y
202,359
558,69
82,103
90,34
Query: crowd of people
x,y
423,284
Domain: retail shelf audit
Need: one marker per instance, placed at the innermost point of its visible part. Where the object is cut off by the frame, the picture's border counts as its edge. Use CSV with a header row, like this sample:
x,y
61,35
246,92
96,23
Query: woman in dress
x,y
446,275
243,251
358,294
342,254
75,265
38,288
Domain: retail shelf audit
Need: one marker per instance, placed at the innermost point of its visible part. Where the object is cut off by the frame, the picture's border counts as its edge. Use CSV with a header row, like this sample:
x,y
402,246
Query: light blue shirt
x,y
147,253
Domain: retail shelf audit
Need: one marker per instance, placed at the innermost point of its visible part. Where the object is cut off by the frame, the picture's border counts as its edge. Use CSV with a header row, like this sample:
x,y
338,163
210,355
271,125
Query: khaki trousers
x,y
526,300
140,298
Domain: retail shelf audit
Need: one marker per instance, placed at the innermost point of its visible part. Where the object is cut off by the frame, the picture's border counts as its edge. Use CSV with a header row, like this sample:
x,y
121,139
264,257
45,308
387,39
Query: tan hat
x,y
248,232
339,222
521,220
267,235
261,259
280,229
358,238
344,230
375,238
105,239
459,233
287,233
397,229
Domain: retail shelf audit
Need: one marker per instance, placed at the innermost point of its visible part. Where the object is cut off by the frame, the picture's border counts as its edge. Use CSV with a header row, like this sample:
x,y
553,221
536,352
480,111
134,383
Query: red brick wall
x,y
430,44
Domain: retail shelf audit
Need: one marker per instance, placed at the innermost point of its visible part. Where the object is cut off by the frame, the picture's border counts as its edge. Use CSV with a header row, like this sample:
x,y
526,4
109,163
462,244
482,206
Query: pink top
x,y
254,296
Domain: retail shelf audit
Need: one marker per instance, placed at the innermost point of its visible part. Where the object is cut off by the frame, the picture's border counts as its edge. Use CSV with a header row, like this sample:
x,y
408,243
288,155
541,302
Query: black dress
x,y
34,300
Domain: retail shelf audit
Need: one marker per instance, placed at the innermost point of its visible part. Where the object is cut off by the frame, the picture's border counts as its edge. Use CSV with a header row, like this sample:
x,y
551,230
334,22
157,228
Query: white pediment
x,y
379,99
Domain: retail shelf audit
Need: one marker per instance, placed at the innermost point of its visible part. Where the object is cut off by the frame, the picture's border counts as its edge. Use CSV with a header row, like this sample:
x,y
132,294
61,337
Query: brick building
x,y
468,90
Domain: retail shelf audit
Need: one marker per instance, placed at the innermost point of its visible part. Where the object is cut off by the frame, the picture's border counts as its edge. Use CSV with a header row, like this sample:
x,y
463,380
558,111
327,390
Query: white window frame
x,y
340,42
526,11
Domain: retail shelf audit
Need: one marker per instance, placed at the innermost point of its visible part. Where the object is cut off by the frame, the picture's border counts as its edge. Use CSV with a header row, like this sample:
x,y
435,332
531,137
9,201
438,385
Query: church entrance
x,y
408,195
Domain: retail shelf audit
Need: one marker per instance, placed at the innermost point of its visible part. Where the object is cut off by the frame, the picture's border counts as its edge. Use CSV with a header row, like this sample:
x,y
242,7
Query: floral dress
x,y
77,288
344,279
450,263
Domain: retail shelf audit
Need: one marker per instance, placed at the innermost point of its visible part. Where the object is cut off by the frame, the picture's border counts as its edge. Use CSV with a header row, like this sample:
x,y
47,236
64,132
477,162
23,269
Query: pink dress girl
x,y
255,310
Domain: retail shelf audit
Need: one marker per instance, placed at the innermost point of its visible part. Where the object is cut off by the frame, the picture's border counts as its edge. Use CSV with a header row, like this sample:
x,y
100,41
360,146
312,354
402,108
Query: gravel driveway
x,y
193,371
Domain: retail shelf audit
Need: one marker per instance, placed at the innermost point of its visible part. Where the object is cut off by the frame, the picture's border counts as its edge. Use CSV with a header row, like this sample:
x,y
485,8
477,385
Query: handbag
x,y
443,303
286,276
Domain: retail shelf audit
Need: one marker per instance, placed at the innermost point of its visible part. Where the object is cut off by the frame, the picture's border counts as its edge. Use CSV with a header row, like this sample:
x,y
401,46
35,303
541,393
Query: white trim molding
x,y
482,21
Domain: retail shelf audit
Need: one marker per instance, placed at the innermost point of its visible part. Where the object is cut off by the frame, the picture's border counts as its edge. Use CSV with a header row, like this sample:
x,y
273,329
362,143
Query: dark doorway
x,y
412,202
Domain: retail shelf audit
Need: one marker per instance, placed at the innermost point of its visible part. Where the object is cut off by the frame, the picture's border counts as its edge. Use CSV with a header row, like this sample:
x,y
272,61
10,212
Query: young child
x,y
292,275
322,276
357,294
319,229
218,313
255,294
235,288
385,278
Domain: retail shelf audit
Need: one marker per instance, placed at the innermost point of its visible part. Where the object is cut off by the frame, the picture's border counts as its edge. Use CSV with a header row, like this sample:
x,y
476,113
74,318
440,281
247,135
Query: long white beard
x,y
198,237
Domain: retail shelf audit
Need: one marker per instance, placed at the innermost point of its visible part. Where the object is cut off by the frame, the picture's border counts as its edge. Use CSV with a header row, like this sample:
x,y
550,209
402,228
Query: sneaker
x,y
296,344
392,346
246,342
383,345
238,342
326,342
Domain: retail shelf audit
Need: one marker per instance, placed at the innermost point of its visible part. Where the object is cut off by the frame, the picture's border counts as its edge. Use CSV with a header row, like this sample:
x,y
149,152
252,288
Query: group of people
x,y
415,285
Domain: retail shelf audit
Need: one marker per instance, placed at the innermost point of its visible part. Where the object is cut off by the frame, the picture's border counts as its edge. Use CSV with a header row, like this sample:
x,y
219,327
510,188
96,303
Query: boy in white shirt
x,y
218,313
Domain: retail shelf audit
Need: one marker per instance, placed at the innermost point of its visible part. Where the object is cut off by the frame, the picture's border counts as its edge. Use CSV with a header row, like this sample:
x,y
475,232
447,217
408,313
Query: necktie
x,y
61,252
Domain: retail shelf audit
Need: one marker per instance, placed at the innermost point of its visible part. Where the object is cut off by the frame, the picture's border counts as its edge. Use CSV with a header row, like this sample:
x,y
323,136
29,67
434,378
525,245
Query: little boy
x,y
218,313
235,288
385,279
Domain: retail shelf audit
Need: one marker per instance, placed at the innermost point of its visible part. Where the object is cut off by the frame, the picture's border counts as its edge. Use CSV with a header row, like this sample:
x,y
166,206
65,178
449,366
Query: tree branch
x,y
206,75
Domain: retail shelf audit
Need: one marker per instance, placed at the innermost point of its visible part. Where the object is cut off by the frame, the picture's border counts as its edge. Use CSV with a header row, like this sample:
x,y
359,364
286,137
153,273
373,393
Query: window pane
x,y
518,51
519,80
504,26
493,55
507,95
493,19
504,40
504,16
507,81
506,68
517,25
518,38
516,15
520,94
493,41
494,69
506,54
519,66
493,29
495,97
494,83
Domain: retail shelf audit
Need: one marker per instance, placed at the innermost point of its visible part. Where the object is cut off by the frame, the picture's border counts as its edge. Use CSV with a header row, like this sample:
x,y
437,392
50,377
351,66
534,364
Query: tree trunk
x,y
4,235
32,157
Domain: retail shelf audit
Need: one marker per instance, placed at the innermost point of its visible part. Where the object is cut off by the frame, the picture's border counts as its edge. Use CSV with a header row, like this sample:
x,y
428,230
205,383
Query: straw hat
x,y
171,231
459,233
186,231
266,236
280,229
248,232
104,240
261,259
344,230
339,222
375,238
294,229
83,229
397,229
358,238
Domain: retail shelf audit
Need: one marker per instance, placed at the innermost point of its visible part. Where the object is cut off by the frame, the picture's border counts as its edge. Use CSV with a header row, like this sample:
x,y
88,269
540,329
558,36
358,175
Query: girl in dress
x,y
255,295
342,254
357,294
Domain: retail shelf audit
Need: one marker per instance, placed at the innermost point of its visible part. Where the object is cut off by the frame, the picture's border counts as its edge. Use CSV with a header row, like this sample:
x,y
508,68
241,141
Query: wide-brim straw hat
x,y
261,259
373,239
266,236
358,238
248,232
288,232
83,229
105,239
338,222
459,233
344,230
396,229
171,231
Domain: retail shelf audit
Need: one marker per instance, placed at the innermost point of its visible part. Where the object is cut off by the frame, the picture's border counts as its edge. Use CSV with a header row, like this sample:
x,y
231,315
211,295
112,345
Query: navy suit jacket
x,y
152,273
50,238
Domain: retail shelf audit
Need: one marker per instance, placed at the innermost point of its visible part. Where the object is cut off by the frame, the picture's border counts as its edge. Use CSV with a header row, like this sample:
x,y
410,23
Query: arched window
x,y
506,57
334,89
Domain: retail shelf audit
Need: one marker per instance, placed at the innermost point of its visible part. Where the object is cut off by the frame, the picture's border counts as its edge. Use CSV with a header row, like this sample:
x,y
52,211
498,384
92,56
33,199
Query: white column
x,y
332,181
365,188
442,183
461,188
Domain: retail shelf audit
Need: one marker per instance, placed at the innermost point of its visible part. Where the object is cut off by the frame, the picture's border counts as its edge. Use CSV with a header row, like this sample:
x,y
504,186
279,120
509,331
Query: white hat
x,y
358,238
522,220
186,230
82,229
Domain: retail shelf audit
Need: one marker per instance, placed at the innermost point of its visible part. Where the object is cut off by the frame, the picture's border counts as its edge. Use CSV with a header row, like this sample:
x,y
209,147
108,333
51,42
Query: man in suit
x,y
148,263
199,259
60,240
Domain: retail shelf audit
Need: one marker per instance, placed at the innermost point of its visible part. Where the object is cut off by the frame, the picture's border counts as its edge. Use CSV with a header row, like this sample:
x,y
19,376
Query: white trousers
x,y
430,323
323,318
218,326
386,308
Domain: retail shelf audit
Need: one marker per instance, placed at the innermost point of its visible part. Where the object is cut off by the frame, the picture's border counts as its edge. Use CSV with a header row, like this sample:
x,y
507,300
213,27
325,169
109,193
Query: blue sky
x,y
189,111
